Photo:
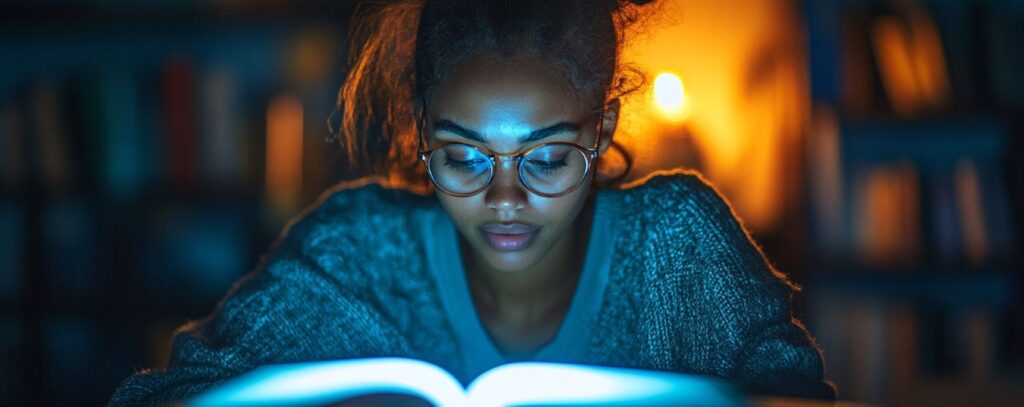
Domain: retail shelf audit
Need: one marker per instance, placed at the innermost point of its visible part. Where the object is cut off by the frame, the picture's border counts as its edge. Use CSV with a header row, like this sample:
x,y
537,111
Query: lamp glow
x,y
670,97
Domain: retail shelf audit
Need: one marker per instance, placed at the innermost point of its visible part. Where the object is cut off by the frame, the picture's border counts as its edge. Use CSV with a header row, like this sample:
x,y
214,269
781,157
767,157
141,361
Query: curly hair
x,y
400,50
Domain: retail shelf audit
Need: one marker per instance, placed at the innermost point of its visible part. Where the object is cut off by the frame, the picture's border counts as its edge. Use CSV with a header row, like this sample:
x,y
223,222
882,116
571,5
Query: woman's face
x,y
494,103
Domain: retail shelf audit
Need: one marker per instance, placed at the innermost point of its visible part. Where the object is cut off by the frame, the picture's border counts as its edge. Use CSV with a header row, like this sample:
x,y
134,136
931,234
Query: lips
x,y
509,236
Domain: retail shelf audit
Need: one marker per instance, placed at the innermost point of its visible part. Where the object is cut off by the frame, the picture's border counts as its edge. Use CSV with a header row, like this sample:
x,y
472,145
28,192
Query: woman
x,y
508,110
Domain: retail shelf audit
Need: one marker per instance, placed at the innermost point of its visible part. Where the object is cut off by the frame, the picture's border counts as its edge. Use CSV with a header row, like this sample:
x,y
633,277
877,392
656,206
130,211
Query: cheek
x,y
553,210
461,210
562,211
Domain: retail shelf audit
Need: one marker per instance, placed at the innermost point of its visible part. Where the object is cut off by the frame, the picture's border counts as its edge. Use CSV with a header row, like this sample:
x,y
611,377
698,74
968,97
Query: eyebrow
x,y
540,134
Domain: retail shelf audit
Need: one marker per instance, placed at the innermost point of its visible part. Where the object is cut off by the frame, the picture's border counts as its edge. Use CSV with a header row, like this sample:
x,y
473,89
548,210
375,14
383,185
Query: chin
x,y
513,261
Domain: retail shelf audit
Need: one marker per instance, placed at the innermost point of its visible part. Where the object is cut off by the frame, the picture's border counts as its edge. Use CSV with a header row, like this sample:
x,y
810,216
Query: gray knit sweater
x,y
686,291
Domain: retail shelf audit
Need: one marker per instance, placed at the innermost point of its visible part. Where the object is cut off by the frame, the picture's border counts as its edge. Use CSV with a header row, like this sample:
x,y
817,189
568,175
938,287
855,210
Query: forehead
x,y
485,91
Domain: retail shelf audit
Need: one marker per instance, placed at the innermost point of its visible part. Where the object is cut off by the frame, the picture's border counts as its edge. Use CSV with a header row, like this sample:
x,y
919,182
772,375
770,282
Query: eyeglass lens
x,y
549,170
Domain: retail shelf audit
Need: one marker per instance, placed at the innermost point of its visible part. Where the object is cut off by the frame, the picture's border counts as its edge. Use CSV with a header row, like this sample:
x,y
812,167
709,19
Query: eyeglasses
x,y
549,170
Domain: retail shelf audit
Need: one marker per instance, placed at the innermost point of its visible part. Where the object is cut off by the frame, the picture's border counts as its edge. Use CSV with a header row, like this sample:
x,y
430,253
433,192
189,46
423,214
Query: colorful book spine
x,y
284,154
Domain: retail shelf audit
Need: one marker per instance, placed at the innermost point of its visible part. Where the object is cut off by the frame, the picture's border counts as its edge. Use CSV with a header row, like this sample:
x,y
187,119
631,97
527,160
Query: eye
x,y
461,158
462,165
548,166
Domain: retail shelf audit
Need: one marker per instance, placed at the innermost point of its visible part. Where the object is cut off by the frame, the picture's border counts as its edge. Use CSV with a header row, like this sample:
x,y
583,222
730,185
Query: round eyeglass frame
x,y
589,154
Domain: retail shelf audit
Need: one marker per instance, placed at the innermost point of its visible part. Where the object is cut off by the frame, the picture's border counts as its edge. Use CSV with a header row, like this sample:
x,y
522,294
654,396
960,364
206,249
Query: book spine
x,y
284,154
11,338
51,138
12,249
179,118
12,146
124,165
221,146
948,236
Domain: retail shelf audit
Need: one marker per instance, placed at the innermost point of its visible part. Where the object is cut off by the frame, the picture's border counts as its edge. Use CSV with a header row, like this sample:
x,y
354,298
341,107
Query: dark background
x,y
150,152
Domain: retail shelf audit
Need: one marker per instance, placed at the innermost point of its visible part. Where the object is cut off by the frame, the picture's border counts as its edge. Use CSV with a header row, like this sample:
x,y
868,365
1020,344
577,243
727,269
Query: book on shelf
x,y
910,61
55,166
947,237
956,206
519,383
888,213
283,182
912,192
221,146
12,144
12,247
111,109
179,120
11,345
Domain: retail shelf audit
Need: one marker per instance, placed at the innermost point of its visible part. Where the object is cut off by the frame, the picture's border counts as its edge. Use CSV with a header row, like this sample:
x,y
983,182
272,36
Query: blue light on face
x,y
504,123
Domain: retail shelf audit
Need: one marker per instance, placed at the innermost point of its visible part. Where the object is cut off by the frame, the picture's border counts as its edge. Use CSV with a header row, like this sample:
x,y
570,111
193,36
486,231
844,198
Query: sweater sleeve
x,y
761,346
288,310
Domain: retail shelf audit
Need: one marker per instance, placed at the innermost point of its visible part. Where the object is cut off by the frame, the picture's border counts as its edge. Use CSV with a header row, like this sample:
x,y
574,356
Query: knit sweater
x,y
687,291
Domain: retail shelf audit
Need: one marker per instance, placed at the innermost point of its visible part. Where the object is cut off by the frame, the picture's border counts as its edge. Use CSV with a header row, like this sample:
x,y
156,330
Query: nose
x,y
505,194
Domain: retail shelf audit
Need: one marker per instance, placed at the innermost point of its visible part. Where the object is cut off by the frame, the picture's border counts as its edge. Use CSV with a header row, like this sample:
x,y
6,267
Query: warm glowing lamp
x,y
670,97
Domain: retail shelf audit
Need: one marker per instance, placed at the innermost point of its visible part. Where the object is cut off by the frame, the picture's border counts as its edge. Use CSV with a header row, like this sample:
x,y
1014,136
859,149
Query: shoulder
x,y
284,312
671,191
358,218
689,223
353,205
334,249
715,289
319,271
682,208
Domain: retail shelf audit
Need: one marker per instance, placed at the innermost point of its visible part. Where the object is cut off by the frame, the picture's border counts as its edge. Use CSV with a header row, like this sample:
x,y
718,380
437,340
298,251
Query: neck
x,y
546,285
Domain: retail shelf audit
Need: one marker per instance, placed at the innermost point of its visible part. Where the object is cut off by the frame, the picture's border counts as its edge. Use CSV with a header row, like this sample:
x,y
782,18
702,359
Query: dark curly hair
x,y
400,50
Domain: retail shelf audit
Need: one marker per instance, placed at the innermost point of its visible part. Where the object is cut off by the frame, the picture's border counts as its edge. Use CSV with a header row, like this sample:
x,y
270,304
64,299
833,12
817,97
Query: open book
x,y
521,383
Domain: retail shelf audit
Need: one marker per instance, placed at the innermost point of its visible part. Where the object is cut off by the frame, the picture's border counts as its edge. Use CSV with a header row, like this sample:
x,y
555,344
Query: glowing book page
x,y
524,383
328,382
537,383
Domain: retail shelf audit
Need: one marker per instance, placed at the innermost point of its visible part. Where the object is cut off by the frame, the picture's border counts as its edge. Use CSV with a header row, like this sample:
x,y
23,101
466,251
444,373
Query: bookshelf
x,y
914,222
133,173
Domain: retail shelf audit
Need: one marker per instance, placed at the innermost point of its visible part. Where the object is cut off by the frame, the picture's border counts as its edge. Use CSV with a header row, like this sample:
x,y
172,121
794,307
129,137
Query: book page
x,y
537,383
332,381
